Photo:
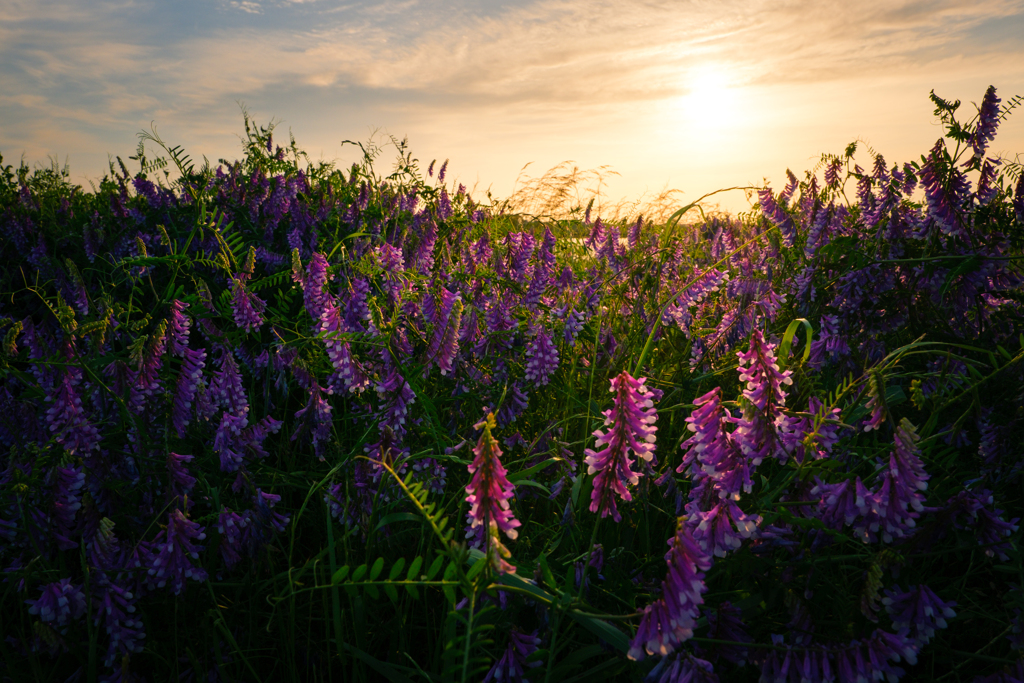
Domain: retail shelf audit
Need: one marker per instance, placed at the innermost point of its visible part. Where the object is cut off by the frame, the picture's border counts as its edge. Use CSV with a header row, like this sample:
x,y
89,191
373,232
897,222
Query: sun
x,y
710,100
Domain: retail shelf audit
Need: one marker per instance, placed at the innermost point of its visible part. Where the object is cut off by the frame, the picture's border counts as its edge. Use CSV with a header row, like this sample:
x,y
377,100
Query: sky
x,y
686,95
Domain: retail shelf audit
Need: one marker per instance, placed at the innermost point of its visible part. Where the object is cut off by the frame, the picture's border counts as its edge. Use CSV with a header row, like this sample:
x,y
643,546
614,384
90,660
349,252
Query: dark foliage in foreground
x,y
276,421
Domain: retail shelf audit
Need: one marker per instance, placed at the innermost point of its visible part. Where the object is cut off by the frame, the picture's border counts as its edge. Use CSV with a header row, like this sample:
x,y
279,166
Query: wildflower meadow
x,y
271,420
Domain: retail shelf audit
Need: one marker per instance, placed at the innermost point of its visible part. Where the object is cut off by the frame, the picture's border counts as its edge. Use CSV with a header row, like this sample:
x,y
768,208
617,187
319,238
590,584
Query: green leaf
x,y
449,575
477,567
377,568
414,569
388,671
340,575
372,591
396,569
413,591
530,482
389,589
603,630
529,472
546,574
359,572
435,567
787,341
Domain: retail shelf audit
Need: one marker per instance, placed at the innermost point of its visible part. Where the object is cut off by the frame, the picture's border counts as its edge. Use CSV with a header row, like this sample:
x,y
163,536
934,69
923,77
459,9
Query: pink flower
x,y
631,421
489,491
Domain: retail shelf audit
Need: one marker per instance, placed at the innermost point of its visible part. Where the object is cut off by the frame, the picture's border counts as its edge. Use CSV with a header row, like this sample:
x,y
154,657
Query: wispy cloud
x,y
111,66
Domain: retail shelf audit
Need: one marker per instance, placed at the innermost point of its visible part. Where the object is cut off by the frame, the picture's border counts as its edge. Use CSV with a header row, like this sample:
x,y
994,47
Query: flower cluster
x,y
630,424
489,492
670,619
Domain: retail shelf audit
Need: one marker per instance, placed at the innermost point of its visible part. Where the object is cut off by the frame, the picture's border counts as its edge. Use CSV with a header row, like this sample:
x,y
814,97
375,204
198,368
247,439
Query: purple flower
x,y
631,427
987,188
512,666
173,548
254,436
489,490
424,258
233,530
512,405
395,396
778,215
755,432
941,205
67,418
670,619
842,503
988,121
112,608
598,235
721,529
543,357
347,376
709,451
829,345
919,609
899,499
246,307
178,327
102,546
817,234
318,417
59,603
266,522
986,524
682,667
181,480
189,379
314,285
226,387
227,442
445,313
520,249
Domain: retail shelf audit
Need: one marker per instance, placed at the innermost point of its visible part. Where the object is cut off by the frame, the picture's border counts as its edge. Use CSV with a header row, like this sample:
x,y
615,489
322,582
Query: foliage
x,y
237,412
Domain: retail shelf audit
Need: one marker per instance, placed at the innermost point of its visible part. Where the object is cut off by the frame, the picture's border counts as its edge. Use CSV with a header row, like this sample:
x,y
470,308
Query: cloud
x,y
496,69
246,6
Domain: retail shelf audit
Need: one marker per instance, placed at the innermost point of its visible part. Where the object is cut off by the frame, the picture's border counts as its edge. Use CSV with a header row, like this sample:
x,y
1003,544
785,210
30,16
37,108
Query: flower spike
x,y
631,423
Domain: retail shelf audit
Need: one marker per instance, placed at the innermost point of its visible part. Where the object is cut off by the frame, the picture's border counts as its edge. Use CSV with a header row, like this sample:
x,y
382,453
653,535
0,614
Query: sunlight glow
x,y
711,103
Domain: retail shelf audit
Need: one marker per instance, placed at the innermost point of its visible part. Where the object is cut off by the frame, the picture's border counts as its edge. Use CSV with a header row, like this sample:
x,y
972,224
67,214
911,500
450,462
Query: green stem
x,y
590,554
469,633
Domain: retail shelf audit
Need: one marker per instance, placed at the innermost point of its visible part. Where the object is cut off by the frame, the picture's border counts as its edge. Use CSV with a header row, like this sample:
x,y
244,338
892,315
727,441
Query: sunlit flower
x,y
631,427
246,307
670,619
542,357
444,312
489,489
178,326
988,121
